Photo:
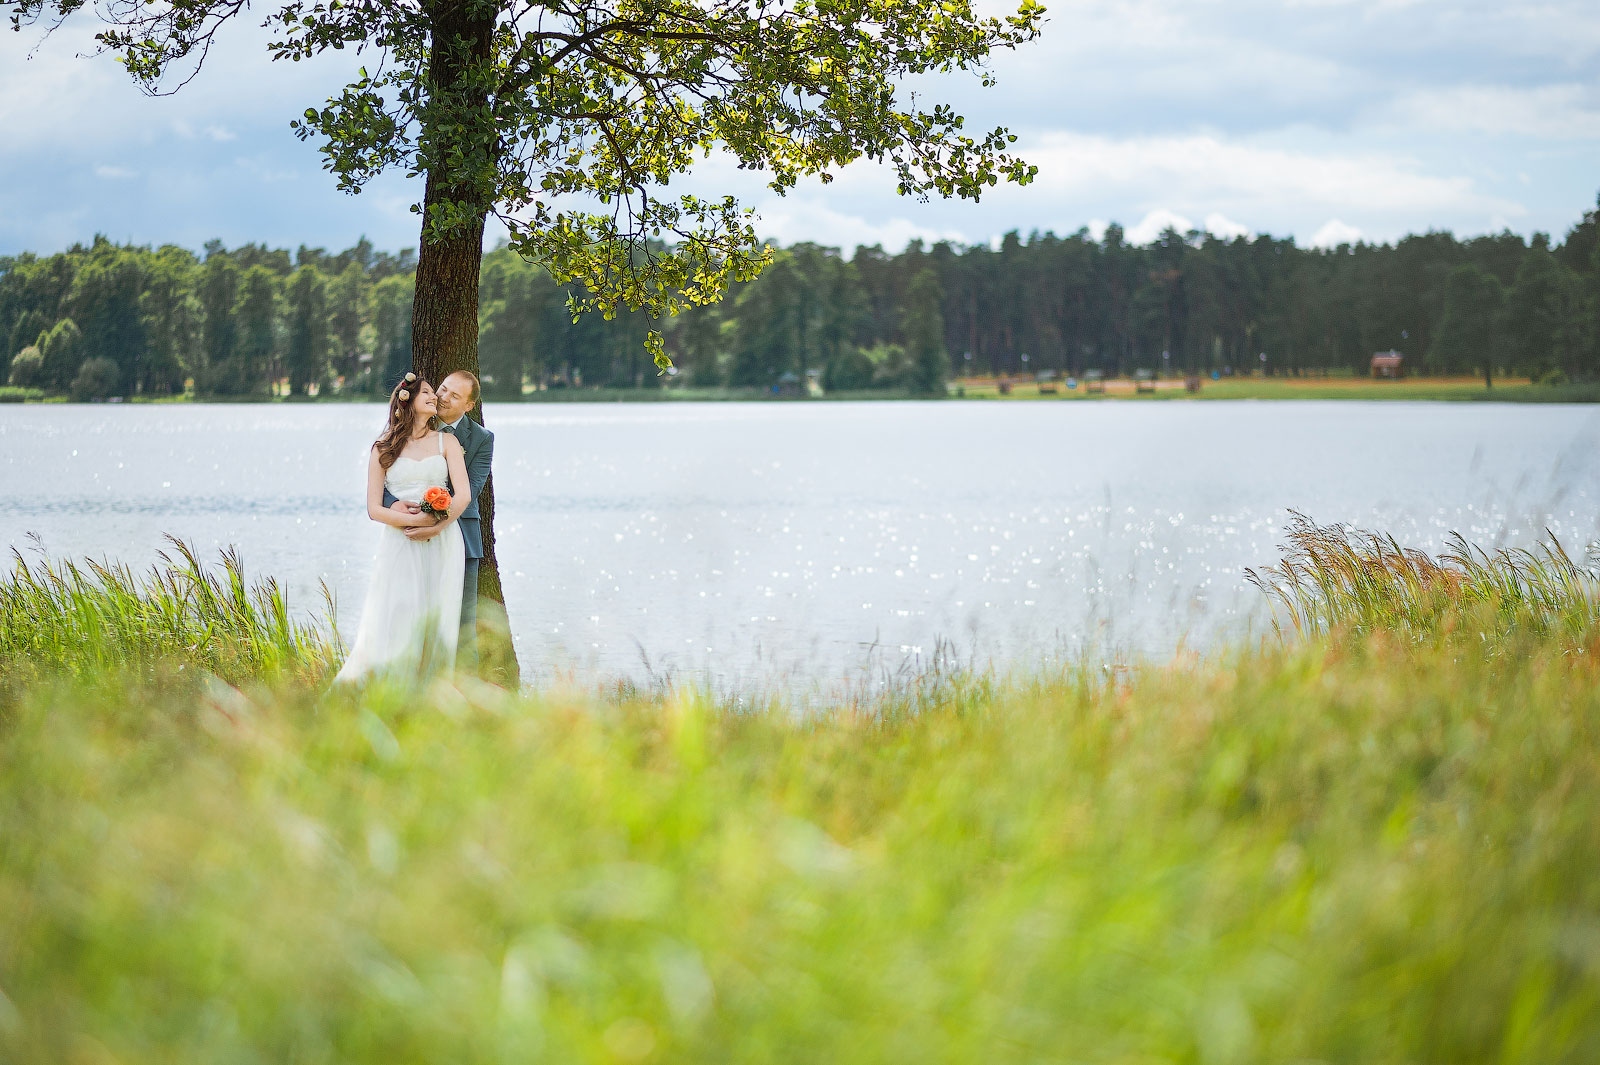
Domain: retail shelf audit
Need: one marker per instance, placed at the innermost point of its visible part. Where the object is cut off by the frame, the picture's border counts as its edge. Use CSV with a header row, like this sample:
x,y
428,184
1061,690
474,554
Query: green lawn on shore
x,y
1467,389
1374,840
1461,389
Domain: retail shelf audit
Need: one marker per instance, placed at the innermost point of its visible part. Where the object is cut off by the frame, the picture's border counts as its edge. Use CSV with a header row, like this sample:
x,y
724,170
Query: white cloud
x,y
213,132
1156,223
1551,112
114,173
1117,51
1217,176
1391,116
1286,185
1223,226
240,89
1334,233
1205,164
266,169
793,219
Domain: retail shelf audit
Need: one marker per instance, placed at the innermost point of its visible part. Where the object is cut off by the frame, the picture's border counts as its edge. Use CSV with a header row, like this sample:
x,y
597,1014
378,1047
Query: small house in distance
x,y
1388,364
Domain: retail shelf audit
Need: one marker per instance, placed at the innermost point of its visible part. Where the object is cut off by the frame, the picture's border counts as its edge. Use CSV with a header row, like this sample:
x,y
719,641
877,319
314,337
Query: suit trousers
x,y
467,649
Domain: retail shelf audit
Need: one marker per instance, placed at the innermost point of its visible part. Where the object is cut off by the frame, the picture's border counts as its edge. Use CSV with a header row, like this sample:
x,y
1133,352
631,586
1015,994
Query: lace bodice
x,y
408,478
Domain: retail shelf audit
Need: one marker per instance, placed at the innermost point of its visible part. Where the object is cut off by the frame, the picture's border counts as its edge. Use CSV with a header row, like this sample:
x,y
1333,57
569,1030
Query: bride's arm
x,y
375,508
456,459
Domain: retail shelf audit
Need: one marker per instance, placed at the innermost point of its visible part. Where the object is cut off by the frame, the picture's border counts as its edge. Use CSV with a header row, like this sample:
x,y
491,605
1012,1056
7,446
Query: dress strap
x,y
440,435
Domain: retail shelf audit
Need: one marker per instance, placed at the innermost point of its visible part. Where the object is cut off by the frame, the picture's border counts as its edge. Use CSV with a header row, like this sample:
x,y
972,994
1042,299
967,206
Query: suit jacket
x,y
478,445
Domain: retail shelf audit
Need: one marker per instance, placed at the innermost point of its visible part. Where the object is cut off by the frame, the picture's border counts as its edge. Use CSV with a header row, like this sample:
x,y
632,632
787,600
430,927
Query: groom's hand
x,y
424,532
413,512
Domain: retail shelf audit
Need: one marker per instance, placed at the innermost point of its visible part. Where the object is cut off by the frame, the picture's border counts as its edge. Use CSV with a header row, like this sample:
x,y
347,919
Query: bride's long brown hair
x,y
402,419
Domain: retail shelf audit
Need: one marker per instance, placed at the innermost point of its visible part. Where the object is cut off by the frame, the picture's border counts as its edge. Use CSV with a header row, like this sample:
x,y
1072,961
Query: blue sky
x,y
1321,119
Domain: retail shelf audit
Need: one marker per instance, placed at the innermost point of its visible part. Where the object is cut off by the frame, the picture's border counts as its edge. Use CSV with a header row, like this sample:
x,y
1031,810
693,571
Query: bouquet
x,y
436,501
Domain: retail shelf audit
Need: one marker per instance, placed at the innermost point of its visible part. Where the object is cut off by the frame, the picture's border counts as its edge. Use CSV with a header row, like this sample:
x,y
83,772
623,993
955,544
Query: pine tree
x,y
306,349
1467,336
255,314
922,324
217,370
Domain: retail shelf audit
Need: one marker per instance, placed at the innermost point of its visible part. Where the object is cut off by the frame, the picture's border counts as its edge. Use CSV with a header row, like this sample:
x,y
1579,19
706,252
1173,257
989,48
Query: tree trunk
x,y
444,312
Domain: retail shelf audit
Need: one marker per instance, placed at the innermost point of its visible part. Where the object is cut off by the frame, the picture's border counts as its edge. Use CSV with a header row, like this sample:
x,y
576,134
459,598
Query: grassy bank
x,y
1373,840
1431,389
1416,389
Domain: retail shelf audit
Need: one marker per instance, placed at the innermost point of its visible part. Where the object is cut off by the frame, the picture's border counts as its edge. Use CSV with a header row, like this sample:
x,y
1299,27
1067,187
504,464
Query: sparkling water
x,y
757,545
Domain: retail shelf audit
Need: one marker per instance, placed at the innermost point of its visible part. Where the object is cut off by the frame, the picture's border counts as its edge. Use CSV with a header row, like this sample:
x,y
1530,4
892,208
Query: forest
x,y
103,319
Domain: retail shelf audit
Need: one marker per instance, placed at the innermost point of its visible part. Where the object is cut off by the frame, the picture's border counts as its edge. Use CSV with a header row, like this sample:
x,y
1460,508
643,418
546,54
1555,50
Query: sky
x,y
1326,120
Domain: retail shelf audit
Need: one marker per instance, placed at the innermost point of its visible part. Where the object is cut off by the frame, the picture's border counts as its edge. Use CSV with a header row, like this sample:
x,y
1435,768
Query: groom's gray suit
x,y
477,445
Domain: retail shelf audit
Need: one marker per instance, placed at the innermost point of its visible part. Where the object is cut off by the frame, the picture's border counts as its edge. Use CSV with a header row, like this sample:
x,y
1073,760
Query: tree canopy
x,y
570,119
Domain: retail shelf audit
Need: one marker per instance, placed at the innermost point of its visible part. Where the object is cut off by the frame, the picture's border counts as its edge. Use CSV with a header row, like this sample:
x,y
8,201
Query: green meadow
x,y
1319,387
1372,835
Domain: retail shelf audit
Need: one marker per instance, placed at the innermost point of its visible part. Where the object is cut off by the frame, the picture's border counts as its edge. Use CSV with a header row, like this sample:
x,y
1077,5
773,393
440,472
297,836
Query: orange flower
x,y
437,498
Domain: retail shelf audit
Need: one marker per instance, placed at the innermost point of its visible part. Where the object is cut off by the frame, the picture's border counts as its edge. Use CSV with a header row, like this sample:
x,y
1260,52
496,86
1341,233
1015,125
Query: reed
x,y
1361,844
99,619
1335,579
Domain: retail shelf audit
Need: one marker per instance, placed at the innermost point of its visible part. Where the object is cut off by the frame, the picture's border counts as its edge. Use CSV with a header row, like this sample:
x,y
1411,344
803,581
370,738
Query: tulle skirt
x,y
411,620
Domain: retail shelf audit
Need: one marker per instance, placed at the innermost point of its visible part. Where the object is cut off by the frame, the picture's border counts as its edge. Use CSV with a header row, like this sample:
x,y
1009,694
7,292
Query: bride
x,y
411,618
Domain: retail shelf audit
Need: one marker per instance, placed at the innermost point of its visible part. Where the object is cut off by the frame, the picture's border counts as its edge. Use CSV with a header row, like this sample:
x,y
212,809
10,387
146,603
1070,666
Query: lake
x,y
758,545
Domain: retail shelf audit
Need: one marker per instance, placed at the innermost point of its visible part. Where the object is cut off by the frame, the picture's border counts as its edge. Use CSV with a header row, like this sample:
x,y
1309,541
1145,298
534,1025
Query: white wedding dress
x,y
411,620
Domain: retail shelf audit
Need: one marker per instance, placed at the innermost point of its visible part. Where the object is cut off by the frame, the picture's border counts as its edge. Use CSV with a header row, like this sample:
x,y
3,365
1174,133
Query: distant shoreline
x,y
1417,389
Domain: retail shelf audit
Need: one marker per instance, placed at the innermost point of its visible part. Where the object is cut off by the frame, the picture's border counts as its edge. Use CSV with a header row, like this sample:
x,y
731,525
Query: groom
x,y
456,395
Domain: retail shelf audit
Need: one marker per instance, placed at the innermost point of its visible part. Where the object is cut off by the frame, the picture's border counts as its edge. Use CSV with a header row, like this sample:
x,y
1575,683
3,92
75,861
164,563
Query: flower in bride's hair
x,y
404,394
410,376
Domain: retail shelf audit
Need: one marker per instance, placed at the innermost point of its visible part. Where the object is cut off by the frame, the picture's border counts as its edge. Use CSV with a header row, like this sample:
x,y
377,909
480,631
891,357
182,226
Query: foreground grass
x,y
1373,842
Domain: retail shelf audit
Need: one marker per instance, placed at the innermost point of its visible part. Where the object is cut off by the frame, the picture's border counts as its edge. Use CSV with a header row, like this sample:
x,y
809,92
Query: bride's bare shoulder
x,y
452,445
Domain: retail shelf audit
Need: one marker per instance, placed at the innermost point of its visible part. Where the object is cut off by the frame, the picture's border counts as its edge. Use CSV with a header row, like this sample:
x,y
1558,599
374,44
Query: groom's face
x,y
454,396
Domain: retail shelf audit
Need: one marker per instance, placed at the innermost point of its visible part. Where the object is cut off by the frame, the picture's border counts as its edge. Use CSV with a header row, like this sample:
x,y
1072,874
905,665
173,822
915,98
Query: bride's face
x,y
424,403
